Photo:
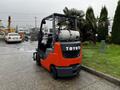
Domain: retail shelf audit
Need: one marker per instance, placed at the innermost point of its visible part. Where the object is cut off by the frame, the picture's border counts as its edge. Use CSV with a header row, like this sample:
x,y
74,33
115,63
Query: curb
x,y
102,75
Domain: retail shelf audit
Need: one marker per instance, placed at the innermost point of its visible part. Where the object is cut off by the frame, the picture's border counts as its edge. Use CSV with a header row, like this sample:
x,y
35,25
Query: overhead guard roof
x,y
57,14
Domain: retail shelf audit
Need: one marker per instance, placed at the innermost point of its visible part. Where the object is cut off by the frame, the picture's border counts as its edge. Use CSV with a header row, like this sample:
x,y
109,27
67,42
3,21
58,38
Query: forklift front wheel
x,y
38,62
53,72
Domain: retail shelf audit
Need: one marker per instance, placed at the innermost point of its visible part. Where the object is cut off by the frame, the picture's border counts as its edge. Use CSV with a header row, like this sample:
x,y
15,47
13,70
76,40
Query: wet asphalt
x,y
19,72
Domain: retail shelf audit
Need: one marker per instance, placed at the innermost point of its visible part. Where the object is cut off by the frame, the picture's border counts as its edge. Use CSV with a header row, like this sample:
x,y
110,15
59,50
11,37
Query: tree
x,y
91,24
116,26
79,14
73,12
103,24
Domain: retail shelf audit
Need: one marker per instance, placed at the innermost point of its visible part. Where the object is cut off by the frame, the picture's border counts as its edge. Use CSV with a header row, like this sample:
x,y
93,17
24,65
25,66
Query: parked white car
x,y
13,37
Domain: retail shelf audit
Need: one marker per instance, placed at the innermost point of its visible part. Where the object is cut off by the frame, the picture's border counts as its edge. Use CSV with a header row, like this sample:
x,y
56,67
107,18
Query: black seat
x,y
49,41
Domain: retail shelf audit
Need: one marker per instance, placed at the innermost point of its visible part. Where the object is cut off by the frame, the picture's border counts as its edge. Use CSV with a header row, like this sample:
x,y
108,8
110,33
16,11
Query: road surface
x,y
19,72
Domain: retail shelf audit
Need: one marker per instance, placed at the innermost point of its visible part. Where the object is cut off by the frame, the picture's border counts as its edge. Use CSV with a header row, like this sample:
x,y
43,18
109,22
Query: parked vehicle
x,y
13,37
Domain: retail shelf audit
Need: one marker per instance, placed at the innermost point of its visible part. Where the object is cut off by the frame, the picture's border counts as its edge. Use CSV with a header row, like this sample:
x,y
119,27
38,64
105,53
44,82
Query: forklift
x,y
59,47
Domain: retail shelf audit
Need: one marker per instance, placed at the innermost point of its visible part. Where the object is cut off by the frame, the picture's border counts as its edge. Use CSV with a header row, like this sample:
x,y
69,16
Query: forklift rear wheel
x,y
38,62
53,72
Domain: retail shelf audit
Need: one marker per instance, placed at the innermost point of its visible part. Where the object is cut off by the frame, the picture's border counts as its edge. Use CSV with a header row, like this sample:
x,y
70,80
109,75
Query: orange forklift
x,y
59,47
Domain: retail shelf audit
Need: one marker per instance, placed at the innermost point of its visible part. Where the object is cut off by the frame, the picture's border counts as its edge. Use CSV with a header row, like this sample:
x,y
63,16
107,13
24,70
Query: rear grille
x,y
71,54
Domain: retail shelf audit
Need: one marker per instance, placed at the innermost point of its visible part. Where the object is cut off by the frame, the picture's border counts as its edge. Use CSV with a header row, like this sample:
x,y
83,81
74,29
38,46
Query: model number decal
x,y
72,48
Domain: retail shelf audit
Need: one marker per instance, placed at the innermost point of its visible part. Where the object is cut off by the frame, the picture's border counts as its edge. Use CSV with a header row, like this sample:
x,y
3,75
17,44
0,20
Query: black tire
x,y
38,62
54,72
78,73
7,42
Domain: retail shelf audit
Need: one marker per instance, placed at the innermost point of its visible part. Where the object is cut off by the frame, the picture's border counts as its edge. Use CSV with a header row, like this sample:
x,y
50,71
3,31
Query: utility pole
x,y
9,23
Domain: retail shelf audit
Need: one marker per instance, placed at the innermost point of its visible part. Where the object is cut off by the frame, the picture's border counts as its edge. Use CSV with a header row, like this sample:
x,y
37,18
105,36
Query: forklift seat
x,y
49,41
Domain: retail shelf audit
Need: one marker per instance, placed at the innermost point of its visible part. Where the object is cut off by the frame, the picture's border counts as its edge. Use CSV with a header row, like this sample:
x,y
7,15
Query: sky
x,y
23,12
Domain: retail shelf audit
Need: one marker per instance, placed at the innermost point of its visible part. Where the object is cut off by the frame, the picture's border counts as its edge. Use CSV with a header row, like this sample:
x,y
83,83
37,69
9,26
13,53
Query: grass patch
x,y
107,62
